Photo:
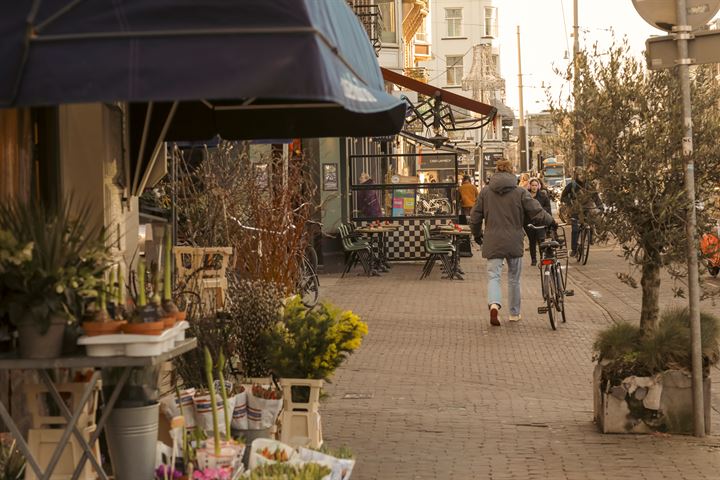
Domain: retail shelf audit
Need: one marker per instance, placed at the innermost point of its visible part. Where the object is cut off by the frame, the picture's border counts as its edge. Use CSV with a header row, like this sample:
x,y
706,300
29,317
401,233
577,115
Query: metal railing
x,y
371,19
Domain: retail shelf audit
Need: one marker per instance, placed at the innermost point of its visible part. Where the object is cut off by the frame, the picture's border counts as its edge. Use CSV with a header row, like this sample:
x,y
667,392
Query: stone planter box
x,y
661,403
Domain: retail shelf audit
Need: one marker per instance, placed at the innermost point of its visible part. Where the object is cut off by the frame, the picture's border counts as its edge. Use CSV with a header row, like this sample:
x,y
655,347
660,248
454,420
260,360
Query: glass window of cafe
x,y
394,186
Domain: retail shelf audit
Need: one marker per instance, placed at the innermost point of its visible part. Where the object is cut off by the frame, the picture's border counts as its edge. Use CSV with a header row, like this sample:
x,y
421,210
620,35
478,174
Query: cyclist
x,y
502,206
578,200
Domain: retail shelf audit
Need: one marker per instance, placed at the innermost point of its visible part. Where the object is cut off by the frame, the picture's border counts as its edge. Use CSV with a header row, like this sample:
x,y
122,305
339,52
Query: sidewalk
x,y
436,392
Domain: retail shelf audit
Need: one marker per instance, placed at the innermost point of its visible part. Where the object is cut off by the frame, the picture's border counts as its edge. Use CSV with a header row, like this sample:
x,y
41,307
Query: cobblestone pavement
x,y
436,392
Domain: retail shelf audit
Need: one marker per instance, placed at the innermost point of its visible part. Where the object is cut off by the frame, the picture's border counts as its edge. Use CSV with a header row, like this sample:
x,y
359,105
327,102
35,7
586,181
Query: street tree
x,y
630,132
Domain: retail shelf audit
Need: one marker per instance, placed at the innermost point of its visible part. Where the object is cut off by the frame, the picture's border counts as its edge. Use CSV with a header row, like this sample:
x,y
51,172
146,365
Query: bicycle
x,y
552,280
307,283
584,240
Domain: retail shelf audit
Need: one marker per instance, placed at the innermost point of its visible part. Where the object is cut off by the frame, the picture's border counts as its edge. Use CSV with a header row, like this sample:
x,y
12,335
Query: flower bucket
x,y
132,435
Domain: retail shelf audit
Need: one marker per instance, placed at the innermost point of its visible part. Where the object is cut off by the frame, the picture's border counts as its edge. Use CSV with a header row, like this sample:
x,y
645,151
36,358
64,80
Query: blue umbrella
x,y
239,68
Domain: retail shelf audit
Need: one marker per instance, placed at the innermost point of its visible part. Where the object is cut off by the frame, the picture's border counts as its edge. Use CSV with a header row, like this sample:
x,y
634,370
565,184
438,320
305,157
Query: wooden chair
x,y
203,269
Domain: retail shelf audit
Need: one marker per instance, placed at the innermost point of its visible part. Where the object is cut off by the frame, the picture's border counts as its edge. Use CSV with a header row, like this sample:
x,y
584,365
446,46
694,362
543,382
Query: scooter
x,y
710,248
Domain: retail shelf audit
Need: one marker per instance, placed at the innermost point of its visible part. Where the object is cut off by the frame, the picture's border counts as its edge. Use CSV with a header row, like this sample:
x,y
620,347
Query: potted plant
x,y
145,319
168,305
49,261
100,322
642,381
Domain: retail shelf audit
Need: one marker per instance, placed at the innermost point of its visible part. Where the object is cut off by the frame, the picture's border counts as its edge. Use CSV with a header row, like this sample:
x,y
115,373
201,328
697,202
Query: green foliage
x,y
284,471
251,310
12,462
49,260
668,346
616,341
629,129
312,343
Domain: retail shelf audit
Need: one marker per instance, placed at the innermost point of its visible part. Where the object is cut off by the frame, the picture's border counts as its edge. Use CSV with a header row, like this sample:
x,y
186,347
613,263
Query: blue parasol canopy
x,y
238,68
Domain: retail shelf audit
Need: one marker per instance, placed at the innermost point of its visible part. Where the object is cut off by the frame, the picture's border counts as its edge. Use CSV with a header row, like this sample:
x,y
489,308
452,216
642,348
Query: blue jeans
x,y
494,271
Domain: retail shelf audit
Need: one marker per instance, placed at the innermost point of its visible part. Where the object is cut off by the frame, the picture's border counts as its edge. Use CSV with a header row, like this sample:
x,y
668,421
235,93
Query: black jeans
x,y
533,240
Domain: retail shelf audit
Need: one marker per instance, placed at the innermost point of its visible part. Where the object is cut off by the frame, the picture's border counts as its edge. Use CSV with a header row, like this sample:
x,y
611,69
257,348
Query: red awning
x,y
445,95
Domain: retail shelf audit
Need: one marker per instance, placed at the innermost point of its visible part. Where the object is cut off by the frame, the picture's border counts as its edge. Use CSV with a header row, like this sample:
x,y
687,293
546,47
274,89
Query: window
x,y
453,18
421,35
454,66
389,21
491,23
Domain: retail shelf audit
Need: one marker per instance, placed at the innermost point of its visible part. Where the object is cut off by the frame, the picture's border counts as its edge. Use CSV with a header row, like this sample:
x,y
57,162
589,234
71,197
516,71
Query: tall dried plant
x,y
260,208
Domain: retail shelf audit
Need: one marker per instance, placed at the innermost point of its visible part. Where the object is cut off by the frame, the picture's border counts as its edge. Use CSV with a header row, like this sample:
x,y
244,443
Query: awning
x,y
242,69
444,95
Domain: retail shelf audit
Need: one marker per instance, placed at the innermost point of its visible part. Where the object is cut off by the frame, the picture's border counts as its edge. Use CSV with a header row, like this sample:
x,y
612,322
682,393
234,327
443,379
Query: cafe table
x,y
379,232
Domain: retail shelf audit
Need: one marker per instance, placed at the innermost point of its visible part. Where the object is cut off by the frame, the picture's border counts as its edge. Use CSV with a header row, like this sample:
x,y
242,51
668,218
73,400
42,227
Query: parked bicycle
x,y
307,282
553,274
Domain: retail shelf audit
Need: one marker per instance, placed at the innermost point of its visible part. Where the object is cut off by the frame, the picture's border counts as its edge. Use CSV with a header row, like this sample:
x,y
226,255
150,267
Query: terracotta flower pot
x,y
169,321
93,329
148,328
180,315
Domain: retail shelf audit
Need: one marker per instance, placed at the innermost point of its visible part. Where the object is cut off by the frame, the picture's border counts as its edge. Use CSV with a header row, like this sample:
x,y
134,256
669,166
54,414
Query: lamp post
x,y
680,17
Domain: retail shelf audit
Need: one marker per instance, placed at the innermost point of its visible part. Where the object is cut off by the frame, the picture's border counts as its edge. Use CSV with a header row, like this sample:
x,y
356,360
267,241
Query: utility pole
x,y
682,35
576,159
522,140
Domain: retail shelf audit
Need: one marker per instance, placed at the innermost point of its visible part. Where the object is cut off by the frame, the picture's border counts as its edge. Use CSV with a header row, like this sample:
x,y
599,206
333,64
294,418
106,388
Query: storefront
x,y
406,189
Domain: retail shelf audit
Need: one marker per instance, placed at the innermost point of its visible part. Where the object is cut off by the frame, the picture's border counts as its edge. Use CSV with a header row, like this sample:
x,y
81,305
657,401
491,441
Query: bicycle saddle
x,y
550,243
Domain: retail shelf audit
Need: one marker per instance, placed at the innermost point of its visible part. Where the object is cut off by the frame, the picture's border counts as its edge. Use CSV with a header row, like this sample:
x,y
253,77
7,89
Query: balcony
x,y
417,73
371,19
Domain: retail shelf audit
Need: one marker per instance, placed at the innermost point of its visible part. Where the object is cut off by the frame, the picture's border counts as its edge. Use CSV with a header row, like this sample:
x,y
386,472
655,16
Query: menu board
x,y
403,203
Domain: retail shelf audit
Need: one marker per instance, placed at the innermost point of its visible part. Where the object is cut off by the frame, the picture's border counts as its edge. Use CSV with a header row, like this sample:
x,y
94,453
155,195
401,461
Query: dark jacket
x,y
367,201
542,197
578,197
504,206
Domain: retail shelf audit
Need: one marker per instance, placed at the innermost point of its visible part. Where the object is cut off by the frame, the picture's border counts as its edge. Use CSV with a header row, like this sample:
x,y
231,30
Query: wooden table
x,y
12,362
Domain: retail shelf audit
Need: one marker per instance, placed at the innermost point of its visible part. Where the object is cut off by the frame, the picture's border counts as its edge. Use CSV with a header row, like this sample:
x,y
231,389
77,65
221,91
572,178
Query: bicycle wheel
x,y
586,244
559,292
549,293
309,284
581,244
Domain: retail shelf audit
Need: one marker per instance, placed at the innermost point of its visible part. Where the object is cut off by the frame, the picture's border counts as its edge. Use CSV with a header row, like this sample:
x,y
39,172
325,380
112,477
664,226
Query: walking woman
x,y
538,194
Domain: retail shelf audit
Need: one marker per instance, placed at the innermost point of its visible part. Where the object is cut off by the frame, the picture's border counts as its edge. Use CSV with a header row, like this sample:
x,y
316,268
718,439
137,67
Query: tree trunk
x,y
650,282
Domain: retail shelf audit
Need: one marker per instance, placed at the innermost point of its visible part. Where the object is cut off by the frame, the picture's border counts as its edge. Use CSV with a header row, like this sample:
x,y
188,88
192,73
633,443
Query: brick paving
x,y
436,392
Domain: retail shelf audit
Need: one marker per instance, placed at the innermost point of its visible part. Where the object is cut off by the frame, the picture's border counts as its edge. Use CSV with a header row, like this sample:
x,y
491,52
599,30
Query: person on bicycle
x,y
579,200
503,206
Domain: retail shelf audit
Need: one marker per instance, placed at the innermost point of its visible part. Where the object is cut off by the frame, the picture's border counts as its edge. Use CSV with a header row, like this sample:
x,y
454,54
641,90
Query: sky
x,y
544,39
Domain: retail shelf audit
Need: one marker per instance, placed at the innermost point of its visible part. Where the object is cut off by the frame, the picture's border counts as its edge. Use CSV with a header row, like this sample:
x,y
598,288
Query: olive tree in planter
x,y
49,260
642,381
629,124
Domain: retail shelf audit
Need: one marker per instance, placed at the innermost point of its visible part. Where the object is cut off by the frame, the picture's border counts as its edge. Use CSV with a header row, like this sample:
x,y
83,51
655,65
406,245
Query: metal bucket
x,y
132,435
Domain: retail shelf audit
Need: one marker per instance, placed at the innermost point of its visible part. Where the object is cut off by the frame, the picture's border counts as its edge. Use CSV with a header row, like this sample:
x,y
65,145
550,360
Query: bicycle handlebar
x,y
534,227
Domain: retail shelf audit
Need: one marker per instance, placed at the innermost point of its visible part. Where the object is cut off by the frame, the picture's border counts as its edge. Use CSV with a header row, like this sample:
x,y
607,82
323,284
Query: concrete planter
x,y
661,403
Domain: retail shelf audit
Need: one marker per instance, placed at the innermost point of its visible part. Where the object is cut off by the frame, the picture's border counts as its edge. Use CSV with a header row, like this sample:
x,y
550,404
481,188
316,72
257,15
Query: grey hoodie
x,y
504,206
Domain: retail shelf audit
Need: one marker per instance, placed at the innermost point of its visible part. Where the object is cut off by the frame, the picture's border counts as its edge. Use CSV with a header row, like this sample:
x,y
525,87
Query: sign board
x,y
403,203
661,52
429,162
662,14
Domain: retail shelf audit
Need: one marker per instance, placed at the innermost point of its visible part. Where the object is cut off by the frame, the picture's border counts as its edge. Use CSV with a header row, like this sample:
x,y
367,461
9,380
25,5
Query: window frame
x,y
453,67
458,19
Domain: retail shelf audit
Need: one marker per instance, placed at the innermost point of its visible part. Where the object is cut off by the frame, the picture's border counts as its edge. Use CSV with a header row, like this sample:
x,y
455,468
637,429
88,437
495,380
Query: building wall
x,y
91,162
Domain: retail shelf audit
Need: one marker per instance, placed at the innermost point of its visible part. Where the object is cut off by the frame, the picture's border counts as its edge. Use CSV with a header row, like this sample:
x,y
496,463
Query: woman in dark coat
x,y
367,200
542,197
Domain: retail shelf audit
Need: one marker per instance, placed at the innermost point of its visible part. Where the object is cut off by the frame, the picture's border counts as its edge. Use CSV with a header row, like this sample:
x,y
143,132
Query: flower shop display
x,y
642,383
101,321
145,318
49,261
263,406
